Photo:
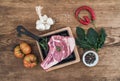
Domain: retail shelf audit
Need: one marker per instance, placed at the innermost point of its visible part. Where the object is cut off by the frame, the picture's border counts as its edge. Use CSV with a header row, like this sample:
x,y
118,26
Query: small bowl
x,y
92,55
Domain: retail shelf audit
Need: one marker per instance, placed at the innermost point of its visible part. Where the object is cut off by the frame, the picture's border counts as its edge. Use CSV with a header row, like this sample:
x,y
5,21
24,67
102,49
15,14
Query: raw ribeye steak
x,y
60,47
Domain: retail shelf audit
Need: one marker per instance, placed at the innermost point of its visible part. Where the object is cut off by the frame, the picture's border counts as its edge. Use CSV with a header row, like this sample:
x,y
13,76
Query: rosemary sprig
x,y
44,43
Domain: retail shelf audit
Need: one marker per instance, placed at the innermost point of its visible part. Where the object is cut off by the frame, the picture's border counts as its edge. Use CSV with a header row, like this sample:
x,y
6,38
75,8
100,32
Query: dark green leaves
x,y
83,44
81,40
44,43
92,36
90,40
81,33
102,37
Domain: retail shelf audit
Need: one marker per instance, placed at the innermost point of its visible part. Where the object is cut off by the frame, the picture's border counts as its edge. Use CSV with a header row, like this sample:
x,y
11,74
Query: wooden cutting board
x,y
72,59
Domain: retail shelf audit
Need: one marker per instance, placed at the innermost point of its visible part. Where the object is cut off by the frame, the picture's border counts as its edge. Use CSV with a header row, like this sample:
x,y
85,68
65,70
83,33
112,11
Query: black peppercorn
x,y
90,58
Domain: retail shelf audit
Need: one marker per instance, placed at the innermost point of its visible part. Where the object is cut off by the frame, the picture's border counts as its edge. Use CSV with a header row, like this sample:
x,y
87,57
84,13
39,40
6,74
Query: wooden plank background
x,y
15,12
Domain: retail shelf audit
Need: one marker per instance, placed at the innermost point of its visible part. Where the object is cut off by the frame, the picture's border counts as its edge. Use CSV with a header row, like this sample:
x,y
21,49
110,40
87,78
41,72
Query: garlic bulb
x,y
44,22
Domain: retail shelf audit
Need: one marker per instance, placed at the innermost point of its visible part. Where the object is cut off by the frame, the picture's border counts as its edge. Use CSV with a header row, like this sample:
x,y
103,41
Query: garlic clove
x,y
44,17
38,21
41,20
47,26
50,21
40,26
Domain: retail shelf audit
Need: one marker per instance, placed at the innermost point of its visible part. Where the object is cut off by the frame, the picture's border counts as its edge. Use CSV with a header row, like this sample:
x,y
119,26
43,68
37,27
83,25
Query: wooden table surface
x,y
15,12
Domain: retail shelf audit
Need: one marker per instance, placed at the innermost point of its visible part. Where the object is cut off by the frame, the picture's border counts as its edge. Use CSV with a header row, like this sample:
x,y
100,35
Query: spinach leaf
x,y
80,33
83,44
92,37
102,37
81,41
90,40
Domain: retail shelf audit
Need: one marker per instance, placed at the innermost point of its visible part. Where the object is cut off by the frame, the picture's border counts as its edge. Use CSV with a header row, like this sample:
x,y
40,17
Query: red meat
x,y
60,47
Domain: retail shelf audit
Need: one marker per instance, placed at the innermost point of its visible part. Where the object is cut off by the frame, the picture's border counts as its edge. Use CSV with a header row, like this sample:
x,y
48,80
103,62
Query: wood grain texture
x,y
15,12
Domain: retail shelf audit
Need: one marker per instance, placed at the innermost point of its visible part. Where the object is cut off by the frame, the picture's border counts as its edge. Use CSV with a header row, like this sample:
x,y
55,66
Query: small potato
x,y
30,61
17,52
25,48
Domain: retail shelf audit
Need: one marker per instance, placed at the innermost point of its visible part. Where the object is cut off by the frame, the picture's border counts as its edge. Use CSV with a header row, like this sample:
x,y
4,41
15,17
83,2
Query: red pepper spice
x,y
86,20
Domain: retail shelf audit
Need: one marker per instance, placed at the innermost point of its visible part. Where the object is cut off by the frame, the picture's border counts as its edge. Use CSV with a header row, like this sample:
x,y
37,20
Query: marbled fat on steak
x,y
60,47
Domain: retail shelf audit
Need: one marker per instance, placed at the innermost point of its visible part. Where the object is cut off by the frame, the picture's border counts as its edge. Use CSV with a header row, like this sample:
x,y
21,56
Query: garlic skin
x,y
44,17
44,22
50,21
47,26
40,26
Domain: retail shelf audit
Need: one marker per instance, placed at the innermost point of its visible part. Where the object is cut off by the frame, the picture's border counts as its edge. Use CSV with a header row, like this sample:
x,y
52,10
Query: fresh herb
x,y
44,44
102,37
91,39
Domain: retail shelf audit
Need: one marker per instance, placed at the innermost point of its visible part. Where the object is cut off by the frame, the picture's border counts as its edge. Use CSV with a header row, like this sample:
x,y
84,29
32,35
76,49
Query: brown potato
x,y
25,48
